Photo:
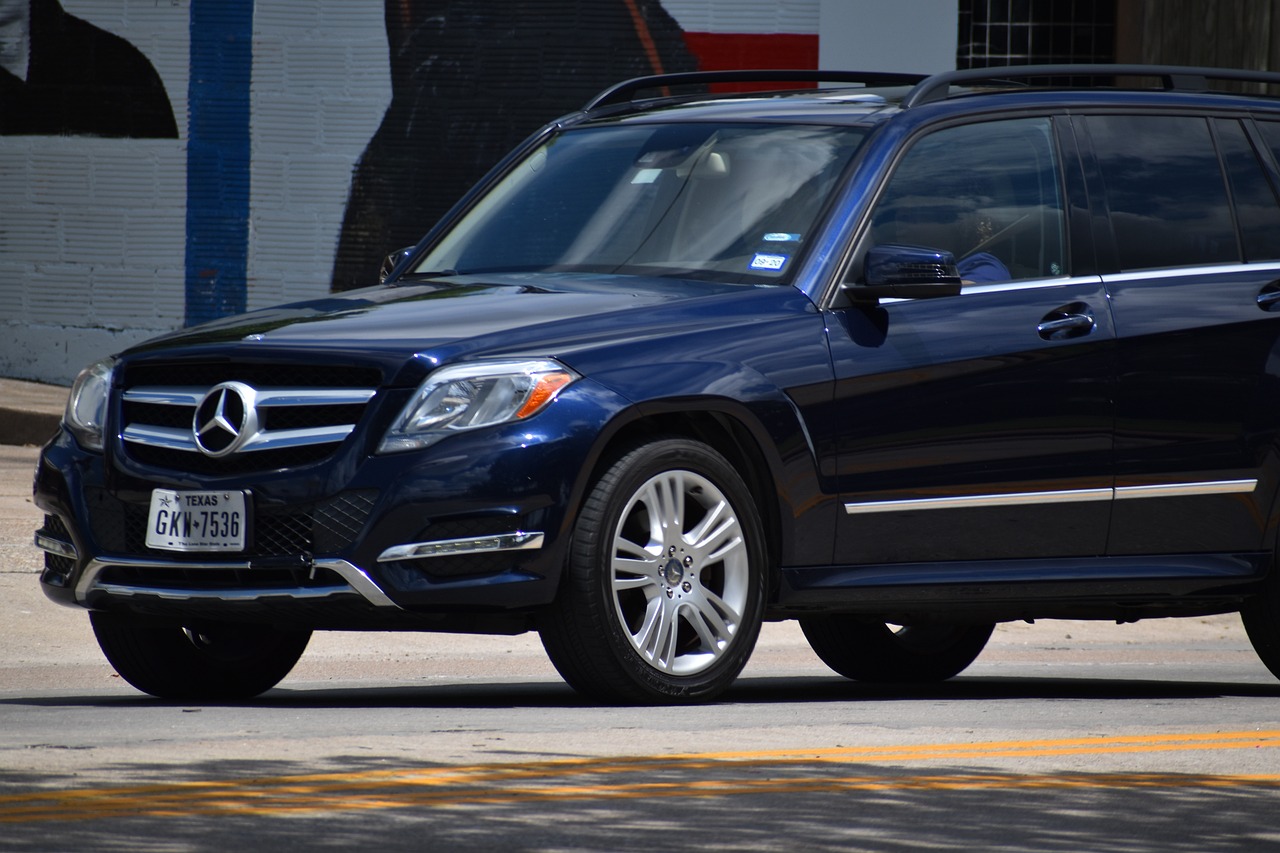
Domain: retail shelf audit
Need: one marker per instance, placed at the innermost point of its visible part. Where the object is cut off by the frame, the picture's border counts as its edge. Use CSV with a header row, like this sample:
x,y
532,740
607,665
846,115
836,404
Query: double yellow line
x,y
711,774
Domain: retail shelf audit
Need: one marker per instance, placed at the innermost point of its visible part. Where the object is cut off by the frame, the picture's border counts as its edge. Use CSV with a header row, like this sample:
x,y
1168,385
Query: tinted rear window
x,y
1256,207
1165,190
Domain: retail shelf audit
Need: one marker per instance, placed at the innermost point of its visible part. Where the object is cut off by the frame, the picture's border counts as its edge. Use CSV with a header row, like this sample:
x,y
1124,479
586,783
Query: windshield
x,y
727,203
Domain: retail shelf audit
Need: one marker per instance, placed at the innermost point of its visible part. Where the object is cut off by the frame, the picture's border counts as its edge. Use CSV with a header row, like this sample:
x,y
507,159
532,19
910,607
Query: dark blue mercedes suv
x,y
897,356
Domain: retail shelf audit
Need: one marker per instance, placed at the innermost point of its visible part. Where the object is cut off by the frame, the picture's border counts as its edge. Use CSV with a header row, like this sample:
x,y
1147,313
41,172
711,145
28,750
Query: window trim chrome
x,y
1183,272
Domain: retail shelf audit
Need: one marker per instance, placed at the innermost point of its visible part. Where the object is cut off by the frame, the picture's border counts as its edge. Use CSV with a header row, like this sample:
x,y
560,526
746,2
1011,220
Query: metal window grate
x,y
1046,32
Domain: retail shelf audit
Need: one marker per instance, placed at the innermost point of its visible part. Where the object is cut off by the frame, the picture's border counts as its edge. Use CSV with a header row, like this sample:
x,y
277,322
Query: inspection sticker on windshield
x,y
767,262
781,237
196,521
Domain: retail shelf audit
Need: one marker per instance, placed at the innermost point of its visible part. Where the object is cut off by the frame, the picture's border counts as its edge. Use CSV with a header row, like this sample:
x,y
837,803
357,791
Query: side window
x,y
989,193
1165,191
1271,133
1257,209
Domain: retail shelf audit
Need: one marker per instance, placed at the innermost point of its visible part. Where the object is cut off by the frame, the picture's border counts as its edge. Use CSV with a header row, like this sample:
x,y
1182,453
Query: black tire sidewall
x,y
872,651
1261,619
163,661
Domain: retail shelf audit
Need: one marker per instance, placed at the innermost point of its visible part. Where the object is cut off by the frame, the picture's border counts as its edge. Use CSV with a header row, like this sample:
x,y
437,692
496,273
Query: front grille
x,y
259,375
303,413
337,522
55,528
239,463
326,527
284,417
57,568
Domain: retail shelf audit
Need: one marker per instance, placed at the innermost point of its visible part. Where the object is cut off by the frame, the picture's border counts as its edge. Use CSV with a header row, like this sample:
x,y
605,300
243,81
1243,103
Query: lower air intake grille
x,y
322,528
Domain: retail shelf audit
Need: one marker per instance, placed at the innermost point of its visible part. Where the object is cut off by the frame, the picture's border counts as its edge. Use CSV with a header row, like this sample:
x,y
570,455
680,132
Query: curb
x,y
29,411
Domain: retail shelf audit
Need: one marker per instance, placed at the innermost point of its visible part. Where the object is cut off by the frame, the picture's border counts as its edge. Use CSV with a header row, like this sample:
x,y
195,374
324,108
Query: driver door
x,y
977,426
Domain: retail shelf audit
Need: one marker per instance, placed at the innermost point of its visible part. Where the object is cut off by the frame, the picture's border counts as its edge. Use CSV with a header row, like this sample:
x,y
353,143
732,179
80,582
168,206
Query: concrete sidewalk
x,y
29,411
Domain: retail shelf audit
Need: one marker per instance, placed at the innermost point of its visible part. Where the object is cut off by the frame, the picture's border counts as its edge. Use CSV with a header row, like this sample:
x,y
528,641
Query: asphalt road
x,y
1063,736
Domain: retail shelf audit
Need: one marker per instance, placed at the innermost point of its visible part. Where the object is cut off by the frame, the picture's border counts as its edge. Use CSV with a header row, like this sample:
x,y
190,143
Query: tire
x,y
1261,618
874,651
664,585
211,662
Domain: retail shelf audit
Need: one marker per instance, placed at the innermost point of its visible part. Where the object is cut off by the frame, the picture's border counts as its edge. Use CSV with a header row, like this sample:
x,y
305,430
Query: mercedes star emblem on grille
x,y
226,419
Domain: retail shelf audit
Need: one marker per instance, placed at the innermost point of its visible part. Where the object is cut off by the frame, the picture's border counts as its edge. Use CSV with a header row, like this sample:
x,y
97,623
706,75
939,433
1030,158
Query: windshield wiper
x,y
419,275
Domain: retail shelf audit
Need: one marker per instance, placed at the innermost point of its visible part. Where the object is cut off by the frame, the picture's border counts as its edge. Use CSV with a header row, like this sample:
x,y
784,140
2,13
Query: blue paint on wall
x,y
221,70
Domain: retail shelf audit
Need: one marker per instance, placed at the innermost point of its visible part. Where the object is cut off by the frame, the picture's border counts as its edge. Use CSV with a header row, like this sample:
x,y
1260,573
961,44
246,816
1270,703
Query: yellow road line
x,y
723,774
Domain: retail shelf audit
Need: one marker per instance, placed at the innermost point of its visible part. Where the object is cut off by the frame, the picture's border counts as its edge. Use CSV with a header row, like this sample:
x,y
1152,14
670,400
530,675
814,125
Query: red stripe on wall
x,y
728,51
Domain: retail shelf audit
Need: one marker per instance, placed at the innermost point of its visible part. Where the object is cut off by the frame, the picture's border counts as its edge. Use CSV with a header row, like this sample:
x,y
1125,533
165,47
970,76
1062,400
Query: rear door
x,y
1193,228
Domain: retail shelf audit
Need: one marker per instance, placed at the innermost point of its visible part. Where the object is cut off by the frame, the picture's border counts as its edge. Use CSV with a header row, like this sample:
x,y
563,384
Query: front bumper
x,y
464,536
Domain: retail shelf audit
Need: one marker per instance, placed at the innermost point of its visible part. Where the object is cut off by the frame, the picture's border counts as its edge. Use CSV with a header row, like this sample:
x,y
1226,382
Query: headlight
x,y
86,414
470,396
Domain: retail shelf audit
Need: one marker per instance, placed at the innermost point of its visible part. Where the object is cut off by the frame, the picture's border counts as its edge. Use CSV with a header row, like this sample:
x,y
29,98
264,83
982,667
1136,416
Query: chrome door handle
x,y
1269,298
1070,321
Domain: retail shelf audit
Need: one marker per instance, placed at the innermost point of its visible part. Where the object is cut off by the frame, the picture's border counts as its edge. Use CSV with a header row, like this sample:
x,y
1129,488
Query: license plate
x,y
196,521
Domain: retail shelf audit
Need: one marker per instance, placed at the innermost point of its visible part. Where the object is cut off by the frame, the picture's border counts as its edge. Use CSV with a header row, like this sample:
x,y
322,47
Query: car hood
x,y
452,316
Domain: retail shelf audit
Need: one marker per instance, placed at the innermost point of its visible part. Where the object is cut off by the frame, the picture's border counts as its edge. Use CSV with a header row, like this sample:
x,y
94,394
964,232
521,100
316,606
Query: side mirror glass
x,y
390,262
902,271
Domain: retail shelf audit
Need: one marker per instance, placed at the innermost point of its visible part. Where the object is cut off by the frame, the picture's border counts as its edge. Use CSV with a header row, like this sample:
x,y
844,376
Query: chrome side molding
x,y
1164,490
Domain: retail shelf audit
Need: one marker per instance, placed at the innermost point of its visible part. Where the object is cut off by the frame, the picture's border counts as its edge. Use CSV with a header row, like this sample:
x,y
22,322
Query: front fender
x,y
762,414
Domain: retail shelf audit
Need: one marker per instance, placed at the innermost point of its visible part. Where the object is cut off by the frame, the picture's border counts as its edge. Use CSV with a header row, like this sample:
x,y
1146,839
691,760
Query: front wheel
x,y
209,662
875,651
664,590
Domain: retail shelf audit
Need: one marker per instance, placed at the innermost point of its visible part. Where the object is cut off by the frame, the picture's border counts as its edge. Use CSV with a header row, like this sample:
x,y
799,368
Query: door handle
x,y
1069,321
1269,297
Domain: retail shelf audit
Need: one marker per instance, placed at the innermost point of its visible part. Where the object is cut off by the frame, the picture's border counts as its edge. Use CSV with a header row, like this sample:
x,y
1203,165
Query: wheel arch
x,y
726,431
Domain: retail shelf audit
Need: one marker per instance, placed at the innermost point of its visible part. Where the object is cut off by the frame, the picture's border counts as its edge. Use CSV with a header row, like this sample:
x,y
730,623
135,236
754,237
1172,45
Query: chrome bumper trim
x,y
357,581
294,593
518,541
175,438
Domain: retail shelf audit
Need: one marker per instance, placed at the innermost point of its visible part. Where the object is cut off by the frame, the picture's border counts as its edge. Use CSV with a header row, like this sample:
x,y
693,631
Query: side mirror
x,y
894,271
390,262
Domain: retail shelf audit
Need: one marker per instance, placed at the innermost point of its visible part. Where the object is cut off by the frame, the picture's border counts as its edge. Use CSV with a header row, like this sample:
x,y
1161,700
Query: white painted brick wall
x,y
93,230
321,84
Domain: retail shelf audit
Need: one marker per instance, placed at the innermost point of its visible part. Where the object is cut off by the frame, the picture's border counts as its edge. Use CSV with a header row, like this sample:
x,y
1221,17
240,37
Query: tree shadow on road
x,y
758,690
618,804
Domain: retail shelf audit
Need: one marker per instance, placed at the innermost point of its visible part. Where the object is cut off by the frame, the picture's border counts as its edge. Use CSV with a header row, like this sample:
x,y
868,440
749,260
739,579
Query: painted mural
x,y
165,162
60,74
471,78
